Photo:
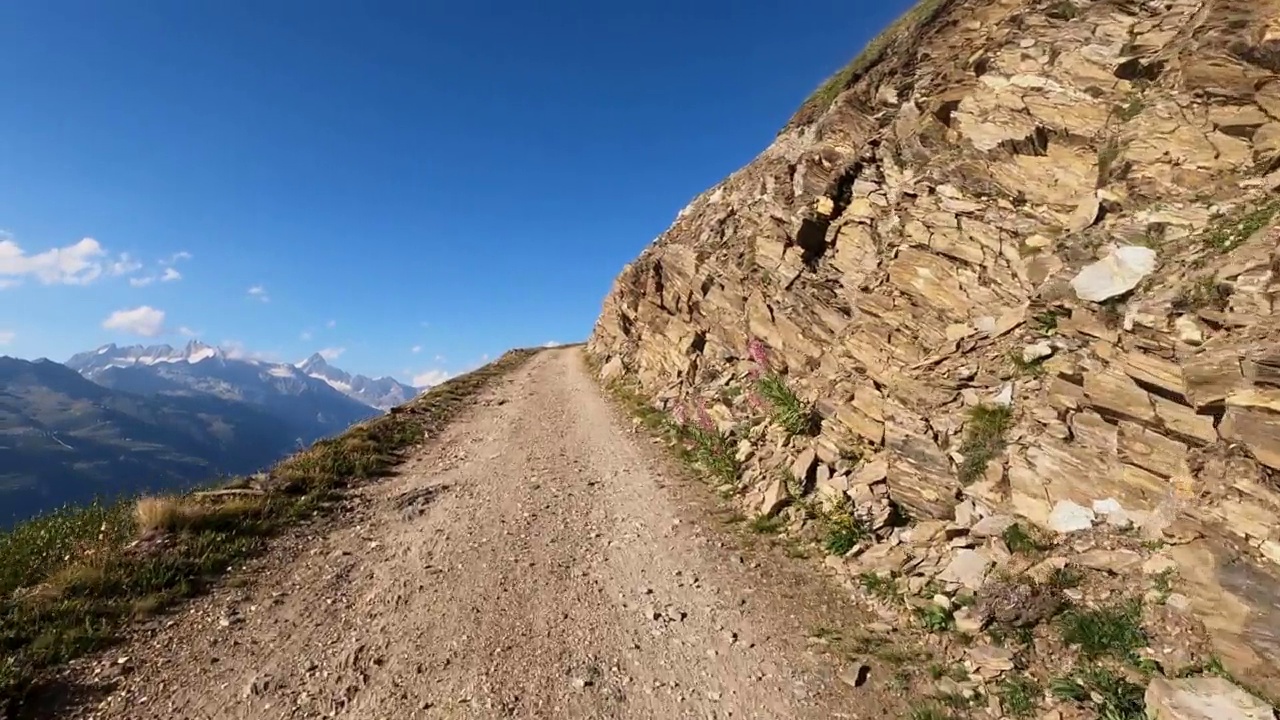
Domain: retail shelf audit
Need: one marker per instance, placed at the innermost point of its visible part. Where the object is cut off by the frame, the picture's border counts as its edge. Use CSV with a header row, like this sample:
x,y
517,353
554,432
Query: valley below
x,y
117,422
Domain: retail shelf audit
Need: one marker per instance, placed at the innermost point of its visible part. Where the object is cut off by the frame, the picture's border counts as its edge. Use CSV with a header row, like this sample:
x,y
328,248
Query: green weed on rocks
x,y
983,440
1228,232
1114,630
786,408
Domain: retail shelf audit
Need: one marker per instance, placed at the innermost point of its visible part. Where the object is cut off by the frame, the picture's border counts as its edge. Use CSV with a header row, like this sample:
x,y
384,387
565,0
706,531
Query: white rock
x,y
991,526
1107,506
1005,397
967,621
968,568
1189,330
1203,698
1067,516
1115,514
1116,274
1036,351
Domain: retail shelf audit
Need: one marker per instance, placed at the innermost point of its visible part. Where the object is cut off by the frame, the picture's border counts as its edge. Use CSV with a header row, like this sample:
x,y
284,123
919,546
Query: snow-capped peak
x,y
112,355
383,393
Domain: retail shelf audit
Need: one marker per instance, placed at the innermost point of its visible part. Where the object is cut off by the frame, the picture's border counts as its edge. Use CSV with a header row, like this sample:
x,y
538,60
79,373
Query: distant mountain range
x,y
120,420
383,393
204,368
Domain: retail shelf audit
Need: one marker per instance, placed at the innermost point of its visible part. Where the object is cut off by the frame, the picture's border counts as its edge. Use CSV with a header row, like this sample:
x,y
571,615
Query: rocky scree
x,y
1024,265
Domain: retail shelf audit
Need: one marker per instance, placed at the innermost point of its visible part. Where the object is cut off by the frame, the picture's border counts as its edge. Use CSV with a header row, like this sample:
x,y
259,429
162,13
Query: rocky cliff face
x,y
1063,208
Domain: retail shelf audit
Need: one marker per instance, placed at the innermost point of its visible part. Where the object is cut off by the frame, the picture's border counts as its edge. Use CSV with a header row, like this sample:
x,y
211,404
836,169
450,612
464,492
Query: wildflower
x,y
757,351
704,418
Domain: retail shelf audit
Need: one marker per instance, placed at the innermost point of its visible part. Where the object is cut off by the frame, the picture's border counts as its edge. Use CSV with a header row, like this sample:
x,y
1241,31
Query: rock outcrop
x,y
1060,207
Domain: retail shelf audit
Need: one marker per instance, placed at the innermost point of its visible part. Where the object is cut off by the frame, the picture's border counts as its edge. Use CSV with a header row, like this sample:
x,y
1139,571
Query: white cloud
x,y
332,353
331,324
550,343
440,359
144,320
305,335
431,377
169,275
415,349
6,284
260,293
7,336
78,264
176,257
184,330
124,266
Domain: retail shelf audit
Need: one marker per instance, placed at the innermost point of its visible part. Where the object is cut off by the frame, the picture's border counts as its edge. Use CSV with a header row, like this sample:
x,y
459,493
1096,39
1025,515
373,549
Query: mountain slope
x,y
65,439
383,393
308,407
1063,207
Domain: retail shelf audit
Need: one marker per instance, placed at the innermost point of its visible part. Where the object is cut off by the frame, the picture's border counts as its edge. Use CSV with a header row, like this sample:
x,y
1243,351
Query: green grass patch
x,y
928,711
1228,232
1020,541
73,580
1110,695
842,530
788,410
766,525
714,452
1065,578
1046,323
880,586
935,618
1019,694
1024,367
983,440
1114,630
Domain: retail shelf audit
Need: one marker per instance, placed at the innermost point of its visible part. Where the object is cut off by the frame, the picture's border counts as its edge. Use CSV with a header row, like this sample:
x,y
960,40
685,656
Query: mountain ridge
x,y
67,439
381,393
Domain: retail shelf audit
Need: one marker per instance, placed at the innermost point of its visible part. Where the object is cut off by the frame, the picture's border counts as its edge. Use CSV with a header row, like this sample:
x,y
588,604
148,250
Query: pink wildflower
x,y
704,418
757,351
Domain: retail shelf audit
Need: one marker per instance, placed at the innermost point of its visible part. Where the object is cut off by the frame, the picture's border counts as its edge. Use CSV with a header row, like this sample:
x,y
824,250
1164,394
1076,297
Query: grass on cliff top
x,y
816,104
71,581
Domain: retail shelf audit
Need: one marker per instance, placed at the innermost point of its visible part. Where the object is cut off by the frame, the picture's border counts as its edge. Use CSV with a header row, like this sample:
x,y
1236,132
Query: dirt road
x,y
534,561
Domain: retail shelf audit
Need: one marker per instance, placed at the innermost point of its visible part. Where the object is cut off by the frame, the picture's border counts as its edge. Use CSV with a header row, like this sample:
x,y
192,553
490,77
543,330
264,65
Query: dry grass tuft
x,y
156,514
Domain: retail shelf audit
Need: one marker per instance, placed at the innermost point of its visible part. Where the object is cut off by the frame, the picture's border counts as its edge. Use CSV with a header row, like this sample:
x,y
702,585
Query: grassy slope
x,y
71,582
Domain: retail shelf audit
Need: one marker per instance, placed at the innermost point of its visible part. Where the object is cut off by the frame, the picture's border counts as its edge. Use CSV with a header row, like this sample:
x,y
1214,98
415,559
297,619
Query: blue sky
x,y
413,185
